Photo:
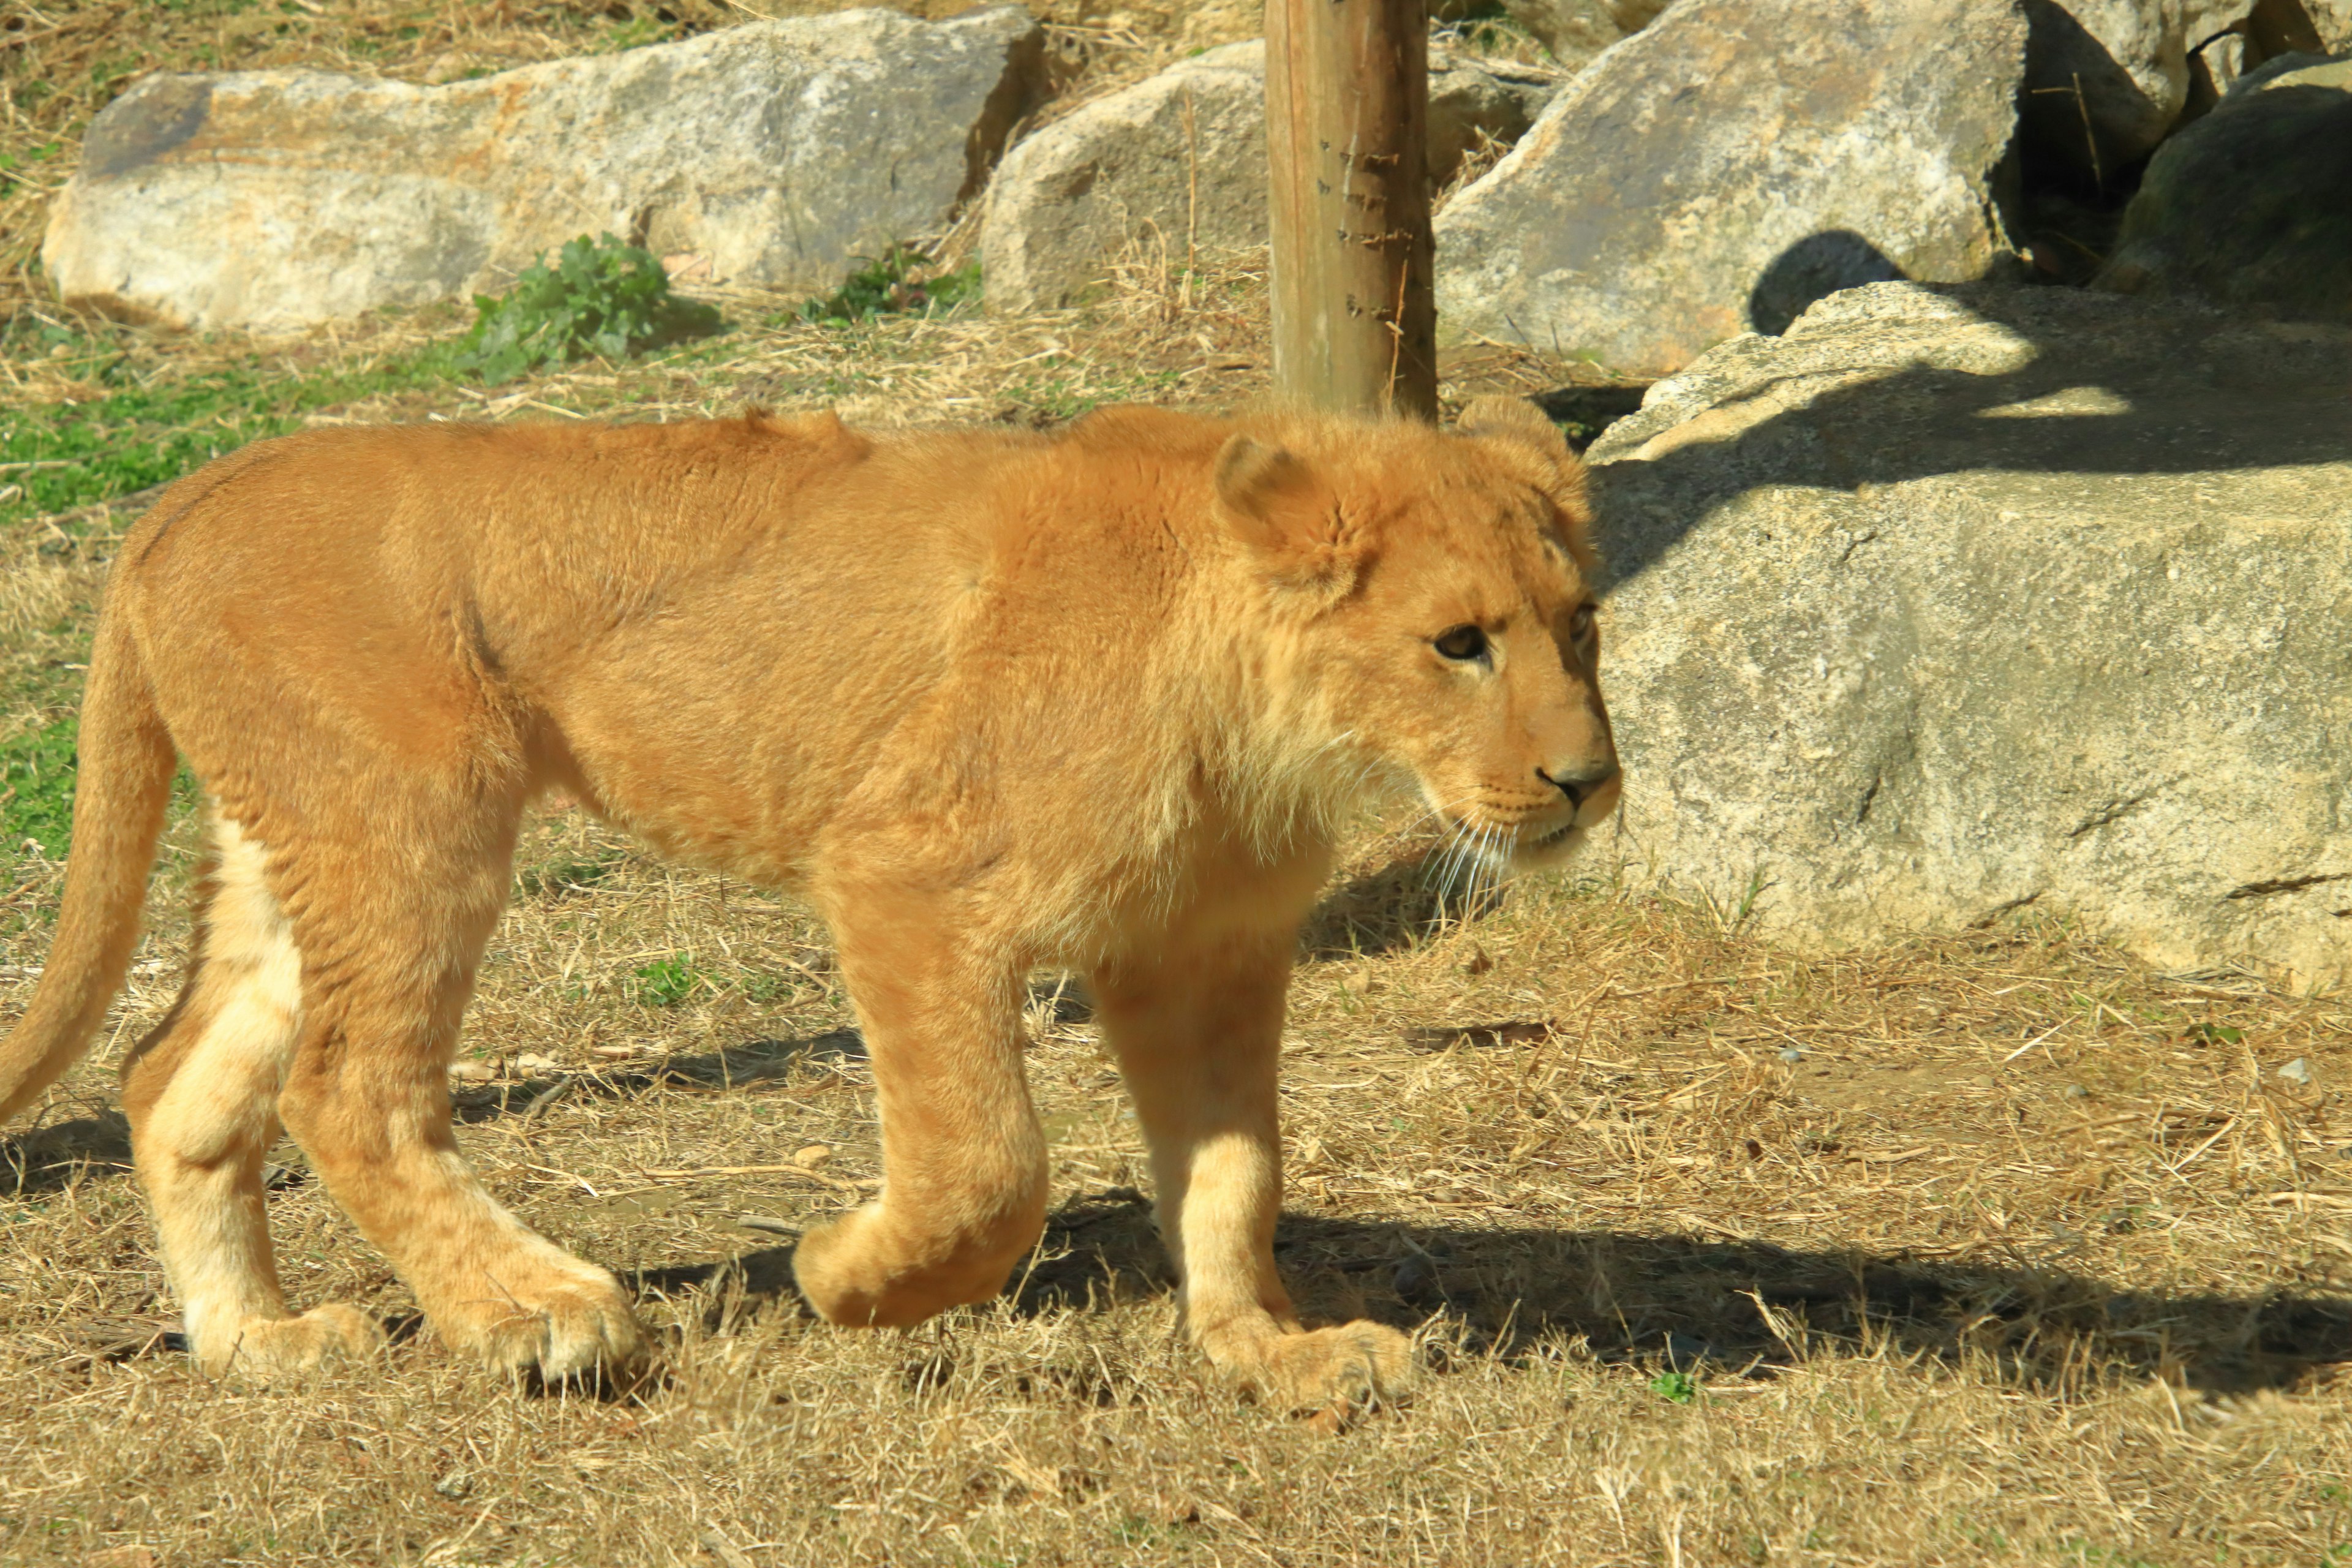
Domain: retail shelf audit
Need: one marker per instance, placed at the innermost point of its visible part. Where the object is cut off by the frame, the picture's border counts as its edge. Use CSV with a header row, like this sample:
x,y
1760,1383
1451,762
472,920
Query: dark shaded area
x,y
62,1154
2059,134
1389,908
1812,269
1582,413
745,1064
1658,1297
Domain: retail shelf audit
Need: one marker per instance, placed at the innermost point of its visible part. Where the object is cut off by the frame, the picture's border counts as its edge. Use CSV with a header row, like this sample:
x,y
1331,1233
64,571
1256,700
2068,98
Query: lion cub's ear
x,y
1279,506
1529,429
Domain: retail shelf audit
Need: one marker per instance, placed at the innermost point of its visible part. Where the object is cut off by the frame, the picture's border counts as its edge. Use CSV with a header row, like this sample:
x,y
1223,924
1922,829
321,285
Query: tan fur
x,y
992,700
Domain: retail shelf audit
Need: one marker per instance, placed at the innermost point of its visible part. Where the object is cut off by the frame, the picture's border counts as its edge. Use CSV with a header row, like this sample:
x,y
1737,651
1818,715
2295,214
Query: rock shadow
x,y
1809,271
2172,391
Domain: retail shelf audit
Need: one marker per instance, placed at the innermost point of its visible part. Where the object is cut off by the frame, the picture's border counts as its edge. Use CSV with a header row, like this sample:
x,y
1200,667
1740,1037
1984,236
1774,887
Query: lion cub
x,y
991,701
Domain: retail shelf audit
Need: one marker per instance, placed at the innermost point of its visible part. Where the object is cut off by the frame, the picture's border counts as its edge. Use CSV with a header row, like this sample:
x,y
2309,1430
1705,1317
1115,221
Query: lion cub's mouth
x,y
1556,835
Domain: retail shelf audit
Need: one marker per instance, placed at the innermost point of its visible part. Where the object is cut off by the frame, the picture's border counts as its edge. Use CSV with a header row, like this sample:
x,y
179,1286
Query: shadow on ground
x,y
1676,1300
65,1154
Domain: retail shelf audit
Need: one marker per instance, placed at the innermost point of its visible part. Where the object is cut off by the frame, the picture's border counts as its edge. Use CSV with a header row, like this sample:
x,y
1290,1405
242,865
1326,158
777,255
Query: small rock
x,y
473,1072
1792,1055
2076,1092
1683,1352
1415,1279
453,1485
531,1064
2298,1071
809,1157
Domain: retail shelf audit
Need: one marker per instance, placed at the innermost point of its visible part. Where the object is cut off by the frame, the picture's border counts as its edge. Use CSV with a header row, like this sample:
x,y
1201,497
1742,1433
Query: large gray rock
x,y
2106,78
777,152
2252,203
1950,603
1733,162
1178,159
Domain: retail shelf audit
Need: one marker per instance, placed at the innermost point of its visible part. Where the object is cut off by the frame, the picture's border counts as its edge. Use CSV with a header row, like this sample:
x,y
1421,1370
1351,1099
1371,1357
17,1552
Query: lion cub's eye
x,y
1463,643
1579,625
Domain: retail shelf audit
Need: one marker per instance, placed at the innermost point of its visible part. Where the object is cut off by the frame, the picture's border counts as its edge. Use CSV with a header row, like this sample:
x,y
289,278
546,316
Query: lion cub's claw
x,y
282,1350
561,1332
1334,1369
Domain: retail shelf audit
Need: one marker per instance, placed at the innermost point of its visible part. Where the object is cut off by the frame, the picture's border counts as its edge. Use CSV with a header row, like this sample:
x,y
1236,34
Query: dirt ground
x,y
1995,1248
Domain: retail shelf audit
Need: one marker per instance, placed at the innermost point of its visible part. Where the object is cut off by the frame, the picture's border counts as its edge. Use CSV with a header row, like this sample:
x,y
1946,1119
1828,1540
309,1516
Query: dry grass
x,y
1942,1299
1997,1249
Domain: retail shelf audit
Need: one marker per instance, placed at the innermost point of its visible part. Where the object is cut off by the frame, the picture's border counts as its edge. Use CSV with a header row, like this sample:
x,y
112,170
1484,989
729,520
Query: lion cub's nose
x,y
1580,785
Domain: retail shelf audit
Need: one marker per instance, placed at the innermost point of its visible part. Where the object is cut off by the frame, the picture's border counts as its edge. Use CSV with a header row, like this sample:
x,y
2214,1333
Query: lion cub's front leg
x,y
963,1158
1198,1036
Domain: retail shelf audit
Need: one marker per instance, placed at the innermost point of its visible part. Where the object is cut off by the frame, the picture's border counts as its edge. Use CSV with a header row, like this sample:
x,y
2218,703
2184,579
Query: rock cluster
x,y
1709,167
1952,602
1731,163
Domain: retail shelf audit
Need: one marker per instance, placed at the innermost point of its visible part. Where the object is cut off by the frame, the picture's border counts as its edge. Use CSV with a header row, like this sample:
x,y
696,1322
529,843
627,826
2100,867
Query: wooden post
x,y
1347,123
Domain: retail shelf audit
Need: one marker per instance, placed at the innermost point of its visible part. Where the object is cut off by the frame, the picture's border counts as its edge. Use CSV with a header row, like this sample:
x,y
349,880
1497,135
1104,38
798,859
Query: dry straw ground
x,y
1993,1248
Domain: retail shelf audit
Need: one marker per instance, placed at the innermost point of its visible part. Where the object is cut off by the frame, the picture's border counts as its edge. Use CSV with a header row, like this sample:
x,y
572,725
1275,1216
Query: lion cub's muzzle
x,y
1591,792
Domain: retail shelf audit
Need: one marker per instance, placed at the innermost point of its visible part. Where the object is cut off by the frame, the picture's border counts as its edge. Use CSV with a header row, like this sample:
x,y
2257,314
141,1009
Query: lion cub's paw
x,y
560,1330
1335,1369
281,1350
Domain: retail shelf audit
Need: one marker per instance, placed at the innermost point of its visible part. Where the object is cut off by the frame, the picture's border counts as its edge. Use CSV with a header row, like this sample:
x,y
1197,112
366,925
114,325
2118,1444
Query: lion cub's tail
x,y
122,783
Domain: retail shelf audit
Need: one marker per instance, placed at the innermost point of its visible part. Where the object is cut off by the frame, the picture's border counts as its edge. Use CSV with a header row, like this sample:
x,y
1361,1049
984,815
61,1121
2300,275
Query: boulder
x,y
1180,159
1951,603
1733,162
2252,203
2106,78
777,153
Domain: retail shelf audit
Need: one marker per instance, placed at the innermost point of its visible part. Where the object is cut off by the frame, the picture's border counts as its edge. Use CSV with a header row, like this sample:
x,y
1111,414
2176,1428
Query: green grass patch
x,y
572,874
1674,1387
667,983
36,787
140,432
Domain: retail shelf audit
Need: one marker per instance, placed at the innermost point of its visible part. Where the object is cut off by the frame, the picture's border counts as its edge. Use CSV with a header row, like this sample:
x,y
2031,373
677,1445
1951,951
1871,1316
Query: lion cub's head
x,y
1441,593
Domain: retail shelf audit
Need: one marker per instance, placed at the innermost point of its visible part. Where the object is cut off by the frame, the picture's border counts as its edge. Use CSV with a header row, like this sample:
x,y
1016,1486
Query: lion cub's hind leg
x,y
201,1090
368,1092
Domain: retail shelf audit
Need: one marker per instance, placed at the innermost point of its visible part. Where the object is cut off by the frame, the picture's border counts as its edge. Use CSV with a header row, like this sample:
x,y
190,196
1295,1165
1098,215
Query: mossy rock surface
x,y
2252,205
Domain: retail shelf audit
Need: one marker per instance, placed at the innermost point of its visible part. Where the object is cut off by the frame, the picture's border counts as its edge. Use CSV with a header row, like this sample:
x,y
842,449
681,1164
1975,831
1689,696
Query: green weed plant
x,y
901,281
600,297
